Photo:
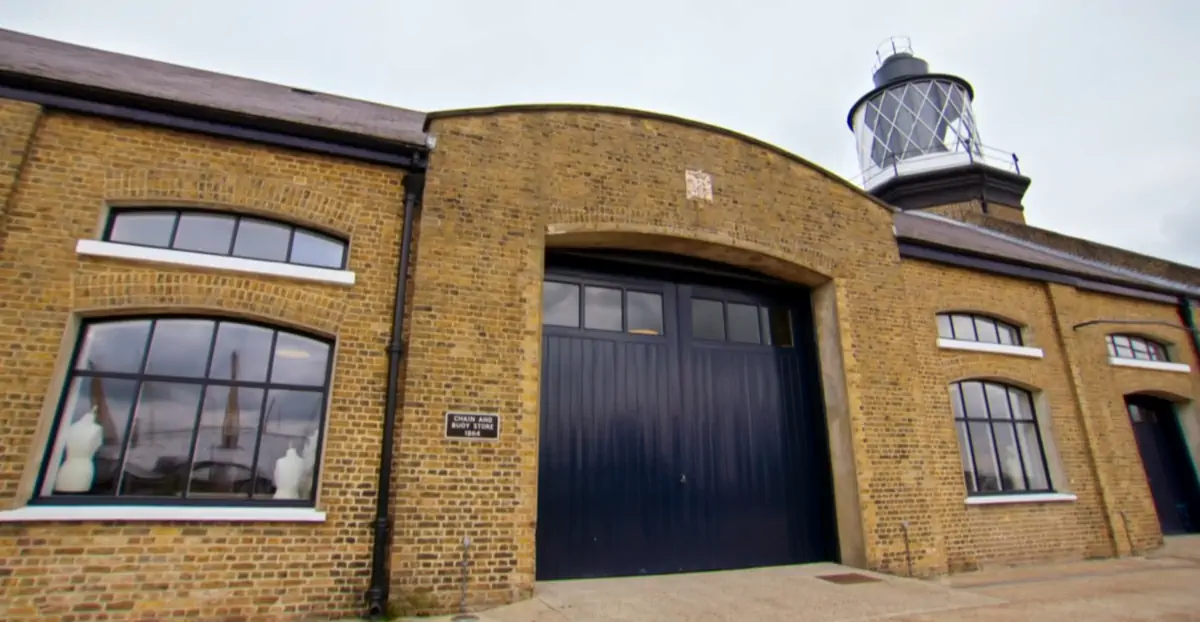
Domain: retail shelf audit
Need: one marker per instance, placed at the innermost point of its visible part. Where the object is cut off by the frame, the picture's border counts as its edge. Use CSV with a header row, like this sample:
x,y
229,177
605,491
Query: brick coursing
x,y
503,188
200,570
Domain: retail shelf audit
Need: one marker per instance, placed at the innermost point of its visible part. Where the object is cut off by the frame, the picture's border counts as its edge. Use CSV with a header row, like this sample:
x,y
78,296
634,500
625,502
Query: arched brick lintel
x,y
133,292
803,266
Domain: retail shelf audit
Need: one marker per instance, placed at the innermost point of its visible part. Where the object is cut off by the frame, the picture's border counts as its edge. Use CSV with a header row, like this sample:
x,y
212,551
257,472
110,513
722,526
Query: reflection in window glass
x,y
963,327
226,234
998,438
179,348
945,331
967,327
644,313
1132,347
560,304
708,319
146,228
743,323
204,233
985,330
262,240
312,249
181,431
602,308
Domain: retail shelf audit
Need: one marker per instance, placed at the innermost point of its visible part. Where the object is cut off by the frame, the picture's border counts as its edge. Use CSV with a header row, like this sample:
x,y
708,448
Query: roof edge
x,y
657,116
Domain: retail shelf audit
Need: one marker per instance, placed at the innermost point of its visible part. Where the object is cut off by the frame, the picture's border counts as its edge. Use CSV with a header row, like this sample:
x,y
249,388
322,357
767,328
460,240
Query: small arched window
x,y
999,438
189,410
975,327
220,233
1133,347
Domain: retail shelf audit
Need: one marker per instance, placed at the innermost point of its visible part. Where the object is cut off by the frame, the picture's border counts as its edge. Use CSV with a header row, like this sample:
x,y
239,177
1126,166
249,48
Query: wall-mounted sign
x,y
472,425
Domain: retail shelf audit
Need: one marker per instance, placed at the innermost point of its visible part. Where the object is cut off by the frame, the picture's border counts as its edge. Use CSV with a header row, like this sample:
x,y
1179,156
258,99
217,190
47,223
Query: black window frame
x,y
977,318
968,452
581,286
237,217
140,377
1149,345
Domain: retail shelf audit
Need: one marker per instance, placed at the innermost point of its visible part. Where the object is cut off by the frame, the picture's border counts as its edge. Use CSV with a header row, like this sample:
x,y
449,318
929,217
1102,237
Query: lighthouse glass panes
x,y
189,410
999,438
915,126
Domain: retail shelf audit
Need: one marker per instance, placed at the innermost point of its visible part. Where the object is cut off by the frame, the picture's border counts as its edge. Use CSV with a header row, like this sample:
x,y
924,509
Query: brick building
x,y
555,341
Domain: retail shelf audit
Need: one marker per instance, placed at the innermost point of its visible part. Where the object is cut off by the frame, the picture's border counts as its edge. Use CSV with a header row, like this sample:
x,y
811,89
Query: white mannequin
x,y
82,440
288,472
309,454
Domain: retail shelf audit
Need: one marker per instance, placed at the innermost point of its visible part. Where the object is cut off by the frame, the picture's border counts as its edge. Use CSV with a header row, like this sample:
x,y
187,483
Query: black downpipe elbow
x,y
377,593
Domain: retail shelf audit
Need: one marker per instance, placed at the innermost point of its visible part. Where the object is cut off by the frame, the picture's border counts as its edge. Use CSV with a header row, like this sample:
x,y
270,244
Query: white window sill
x,y
1037,497
993,348
1155,365
99,248
78,513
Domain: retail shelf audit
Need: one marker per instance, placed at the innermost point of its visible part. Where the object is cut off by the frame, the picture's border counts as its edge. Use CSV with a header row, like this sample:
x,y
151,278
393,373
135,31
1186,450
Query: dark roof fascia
x,y
84,99
962,259
954,185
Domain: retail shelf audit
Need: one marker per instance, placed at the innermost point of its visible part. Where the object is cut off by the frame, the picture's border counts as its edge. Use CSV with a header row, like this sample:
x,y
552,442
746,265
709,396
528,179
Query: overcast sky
x,y
1084,91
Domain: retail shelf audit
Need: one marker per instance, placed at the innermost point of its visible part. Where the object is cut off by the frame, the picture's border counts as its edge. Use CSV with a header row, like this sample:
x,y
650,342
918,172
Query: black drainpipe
x,y
377,593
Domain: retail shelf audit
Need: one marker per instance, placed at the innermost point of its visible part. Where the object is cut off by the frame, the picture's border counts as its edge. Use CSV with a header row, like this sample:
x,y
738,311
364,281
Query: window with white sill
x,y
221,233
187,410
1136,348
999,439
977,328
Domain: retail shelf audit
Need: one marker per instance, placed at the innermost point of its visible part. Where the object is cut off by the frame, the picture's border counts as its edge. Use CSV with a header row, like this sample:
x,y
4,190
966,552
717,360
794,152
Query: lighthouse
x,y
919,145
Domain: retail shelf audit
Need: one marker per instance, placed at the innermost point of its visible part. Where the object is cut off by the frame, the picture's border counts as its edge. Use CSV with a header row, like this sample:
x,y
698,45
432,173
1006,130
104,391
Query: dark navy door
x,y
679,429
1169,469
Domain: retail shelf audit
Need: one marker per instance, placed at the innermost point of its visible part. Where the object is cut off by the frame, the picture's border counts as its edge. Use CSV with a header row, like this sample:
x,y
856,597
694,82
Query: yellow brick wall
x,y
970,209
194,571
504,187
1084,395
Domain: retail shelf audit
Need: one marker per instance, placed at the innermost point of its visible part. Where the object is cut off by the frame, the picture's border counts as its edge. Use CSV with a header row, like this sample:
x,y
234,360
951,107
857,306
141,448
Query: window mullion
x,y
962,400
137,398
262,417
1017,437
992,428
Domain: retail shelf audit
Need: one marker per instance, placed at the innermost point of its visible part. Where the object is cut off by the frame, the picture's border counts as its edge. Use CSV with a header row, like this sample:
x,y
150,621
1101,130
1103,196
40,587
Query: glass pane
x,y
956,402
292,420
708,320
964,327
147,228
985,456
985,330
601,308
85,460
206,233
1031,452
1140,350
997,401
743,323
179,348
944,330
114,346
299,360
779,326
1012,474
223,463
560,304
313,249
1112,350
1157,352
973,397
1135,413
1009,335
964,452
262,240
156,464
244,348
1020,404
644,312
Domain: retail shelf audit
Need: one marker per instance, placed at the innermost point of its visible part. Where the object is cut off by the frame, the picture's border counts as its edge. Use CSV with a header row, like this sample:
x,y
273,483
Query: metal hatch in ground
x,y
681,425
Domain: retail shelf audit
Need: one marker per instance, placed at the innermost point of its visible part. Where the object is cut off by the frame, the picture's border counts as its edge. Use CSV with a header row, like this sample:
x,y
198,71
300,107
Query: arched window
x,y
219,233
189,410
999,438
1140,348
974,327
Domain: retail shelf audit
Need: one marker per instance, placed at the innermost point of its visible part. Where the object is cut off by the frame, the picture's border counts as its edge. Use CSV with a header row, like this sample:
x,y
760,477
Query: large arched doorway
x,y
681,420
1168,465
